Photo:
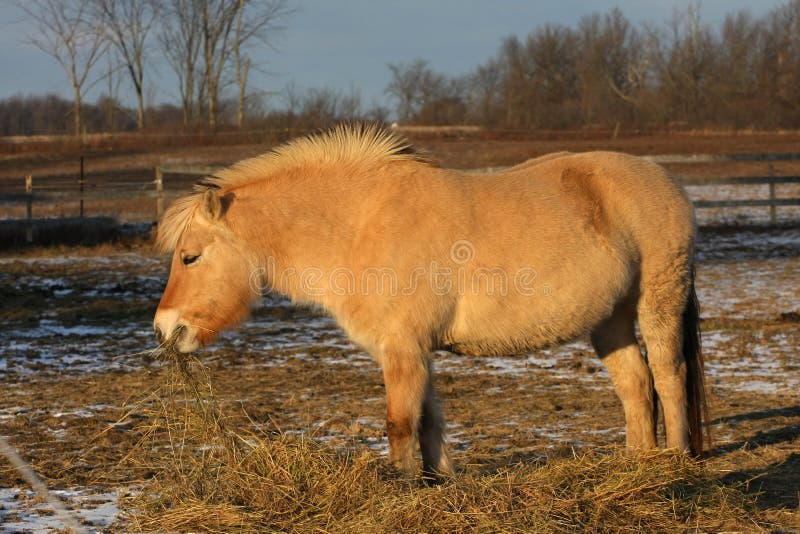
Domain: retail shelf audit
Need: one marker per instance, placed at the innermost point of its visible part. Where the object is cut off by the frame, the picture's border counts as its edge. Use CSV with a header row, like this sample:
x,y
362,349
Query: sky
x,y
347,44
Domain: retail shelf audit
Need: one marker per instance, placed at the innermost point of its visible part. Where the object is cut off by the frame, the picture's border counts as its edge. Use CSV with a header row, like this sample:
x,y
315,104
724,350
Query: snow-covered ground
x,y
22,511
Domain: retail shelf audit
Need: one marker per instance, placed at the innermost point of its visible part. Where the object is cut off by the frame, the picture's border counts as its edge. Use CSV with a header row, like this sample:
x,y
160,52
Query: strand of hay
x,y
208,477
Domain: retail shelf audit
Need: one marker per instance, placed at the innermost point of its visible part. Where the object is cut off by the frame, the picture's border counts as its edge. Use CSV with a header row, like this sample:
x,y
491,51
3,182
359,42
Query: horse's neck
x,y
297,236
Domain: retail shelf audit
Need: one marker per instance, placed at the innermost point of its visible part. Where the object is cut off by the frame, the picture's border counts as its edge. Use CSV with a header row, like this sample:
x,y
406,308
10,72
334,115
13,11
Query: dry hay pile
x,y
207,476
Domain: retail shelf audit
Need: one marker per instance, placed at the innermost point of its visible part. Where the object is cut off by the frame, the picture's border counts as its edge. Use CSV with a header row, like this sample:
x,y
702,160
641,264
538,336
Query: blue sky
x,y
347,44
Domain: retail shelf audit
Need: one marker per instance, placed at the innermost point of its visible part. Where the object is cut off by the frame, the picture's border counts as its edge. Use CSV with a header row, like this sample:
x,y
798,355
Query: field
x,y
80,387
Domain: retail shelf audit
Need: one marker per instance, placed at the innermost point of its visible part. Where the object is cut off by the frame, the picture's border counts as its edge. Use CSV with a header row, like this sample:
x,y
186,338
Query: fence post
x,y
159,193
29,194
80,182
772,214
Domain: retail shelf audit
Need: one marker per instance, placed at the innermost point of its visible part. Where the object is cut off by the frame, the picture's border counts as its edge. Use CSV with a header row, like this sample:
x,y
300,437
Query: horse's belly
x,y
549,315
504,333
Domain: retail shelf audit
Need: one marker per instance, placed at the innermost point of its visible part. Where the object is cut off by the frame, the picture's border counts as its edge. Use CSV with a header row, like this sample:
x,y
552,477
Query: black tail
x,y
695,375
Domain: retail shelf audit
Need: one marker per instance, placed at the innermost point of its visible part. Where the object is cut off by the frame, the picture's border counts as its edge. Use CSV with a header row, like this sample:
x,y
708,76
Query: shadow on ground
x,y
777,483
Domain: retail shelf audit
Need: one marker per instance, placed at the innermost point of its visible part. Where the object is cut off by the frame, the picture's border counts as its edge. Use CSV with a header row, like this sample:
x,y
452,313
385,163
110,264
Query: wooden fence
x,y
772,201
161,170
156,188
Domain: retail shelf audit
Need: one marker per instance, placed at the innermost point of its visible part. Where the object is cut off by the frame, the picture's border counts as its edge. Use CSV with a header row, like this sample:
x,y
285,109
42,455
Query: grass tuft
x,y
209,476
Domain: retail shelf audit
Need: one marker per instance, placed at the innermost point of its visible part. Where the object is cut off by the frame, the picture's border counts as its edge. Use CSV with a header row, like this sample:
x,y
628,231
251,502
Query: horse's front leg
x,y
405,374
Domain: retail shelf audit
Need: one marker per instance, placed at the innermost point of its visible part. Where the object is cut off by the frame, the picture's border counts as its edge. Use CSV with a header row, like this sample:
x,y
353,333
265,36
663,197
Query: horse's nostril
x,y
159,335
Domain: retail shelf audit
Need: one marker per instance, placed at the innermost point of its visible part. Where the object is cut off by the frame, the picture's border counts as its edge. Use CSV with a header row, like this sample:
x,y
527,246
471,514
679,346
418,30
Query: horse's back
x,y
576,226
626,199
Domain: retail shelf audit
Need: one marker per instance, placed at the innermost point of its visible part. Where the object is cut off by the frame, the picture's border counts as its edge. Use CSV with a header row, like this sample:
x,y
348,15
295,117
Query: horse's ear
x,y
212,207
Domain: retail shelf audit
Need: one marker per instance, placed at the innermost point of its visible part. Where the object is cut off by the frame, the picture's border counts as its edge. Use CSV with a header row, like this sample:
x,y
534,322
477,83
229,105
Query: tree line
x,y
606,70
602,72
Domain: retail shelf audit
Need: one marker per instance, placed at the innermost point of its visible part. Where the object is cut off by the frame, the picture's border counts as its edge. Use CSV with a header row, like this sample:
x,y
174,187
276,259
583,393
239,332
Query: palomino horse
x,y
410,258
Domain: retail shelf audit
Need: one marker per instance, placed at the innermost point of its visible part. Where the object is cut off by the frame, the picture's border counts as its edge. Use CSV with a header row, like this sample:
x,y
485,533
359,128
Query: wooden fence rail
x,y
717,158
771,180
161,170
156,188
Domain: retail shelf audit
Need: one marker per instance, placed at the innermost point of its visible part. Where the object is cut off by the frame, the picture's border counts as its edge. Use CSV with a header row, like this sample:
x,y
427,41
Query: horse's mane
x,y
364,144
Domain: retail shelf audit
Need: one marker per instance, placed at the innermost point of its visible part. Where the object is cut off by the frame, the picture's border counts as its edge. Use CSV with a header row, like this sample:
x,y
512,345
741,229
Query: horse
x,y
410,258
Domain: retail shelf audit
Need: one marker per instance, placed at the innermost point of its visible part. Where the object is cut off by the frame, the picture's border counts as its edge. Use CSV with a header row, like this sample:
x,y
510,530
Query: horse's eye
x,y
188,259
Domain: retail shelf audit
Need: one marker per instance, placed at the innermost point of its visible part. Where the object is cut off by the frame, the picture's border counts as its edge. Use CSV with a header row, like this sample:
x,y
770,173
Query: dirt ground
x,y
76,378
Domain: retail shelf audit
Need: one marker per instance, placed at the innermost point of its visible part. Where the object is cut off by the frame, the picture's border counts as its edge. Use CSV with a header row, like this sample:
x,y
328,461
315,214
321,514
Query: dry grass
x,y
208,476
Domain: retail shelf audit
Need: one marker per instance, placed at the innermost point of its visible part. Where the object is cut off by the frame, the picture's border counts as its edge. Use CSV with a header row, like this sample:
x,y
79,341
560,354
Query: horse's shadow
x,y
777,483
761,438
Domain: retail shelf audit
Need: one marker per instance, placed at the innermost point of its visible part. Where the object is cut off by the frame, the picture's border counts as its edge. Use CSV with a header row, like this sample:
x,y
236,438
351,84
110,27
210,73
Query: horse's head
x,y
209,283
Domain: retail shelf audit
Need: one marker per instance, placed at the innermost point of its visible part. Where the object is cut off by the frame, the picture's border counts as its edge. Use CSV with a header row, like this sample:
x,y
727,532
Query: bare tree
x,y
736,84
484,92
242,65
610,66
109,106
415,86
66,31
217,19
180,37
204,39
516,80
685,62
784,26
551,50
256,22
128,24
538,79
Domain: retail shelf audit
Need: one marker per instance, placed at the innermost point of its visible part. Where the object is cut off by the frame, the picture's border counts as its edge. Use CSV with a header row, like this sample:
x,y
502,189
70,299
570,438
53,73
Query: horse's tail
x,y
695,375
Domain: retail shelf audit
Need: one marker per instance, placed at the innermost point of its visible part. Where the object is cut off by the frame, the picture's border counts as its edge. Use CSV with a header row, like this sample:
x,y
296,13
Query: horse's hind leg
x,y
435,458
614,340
660,320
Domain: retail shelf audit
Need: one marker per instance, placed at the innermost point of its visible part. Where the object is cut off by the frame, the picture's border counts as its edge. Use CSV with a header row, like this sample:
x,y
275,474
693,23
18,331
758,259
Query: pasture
x,y
535,436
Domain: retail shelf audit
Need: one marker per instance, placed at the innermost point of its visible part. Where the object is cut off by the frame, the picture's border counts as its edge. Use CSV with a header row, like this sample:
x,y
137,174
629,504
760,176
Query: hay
x,y
209,477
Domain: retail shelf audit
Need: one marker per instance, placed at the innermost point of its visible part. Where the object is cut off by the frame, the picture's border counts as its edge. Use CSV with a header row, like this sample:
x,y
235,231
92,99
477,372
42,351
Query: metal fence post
x,y
29,211
159,193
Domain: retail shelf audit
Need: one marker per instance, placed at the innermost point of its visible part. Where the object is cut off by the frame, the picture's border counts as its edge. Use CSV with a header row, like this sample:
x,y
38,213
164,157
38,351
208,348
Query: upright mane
x,y
349,143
